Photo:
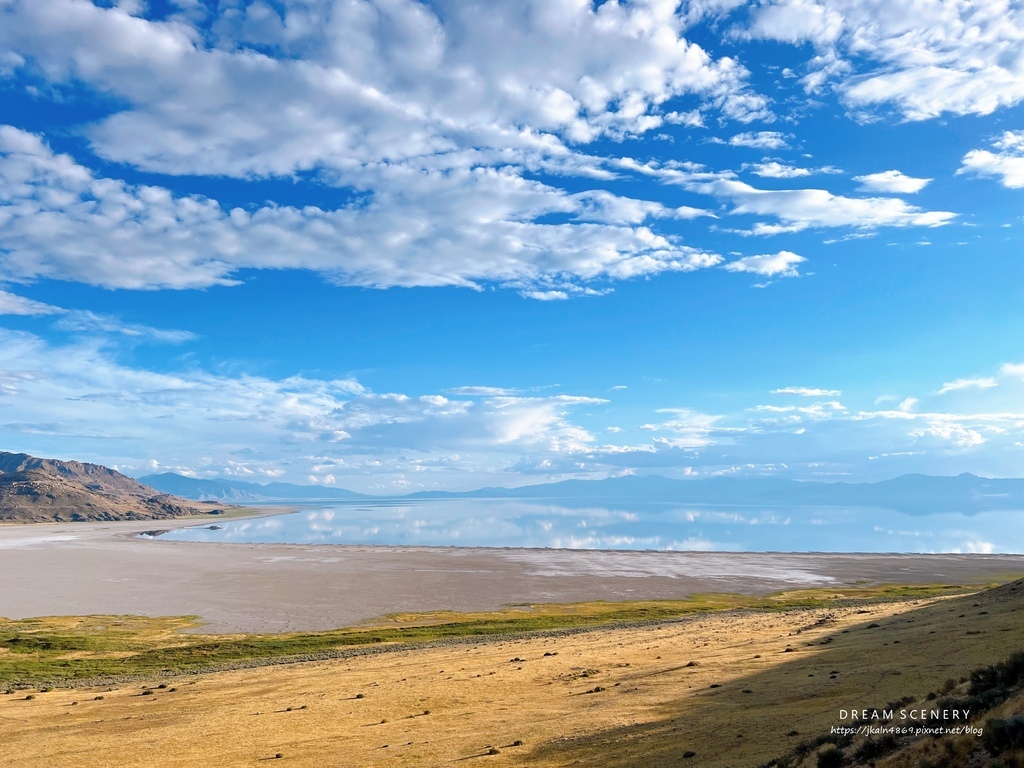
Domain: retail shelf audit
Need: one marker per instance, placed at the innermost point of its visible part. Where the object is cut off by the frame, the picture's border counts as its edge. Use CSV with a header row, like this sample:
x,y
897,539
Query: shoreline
x,y
106,568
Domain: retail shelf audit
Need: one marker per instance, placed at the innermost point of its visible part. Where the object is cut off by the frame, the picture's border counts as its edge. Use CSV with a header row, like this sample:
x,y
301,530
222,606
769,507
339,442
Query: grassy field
x,y
56,651
736,683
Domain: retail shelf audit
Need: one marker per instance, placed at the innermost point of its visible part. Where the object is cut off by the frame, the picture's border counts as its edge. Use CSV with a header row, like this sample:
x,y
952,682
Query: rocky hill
x,y
50,490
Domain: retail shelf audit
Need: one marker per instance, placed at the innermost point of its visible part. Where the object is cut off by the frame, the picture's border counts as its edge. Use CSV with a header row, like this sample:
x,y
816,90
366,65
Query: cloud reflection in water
x,y
626,526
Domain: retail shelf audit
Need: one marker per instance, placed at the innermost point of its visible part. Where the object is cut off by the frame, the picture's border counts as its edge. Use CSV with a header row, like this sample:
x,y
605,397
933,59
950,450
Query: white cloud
x,y
368,82
12,304
893,182
692,119
781,264
955,434
62,222
795,21
807,392
952,386
776,170
924,58
82,321
545,295
688,428
799,209
481,391
761,140
77,399
1007,164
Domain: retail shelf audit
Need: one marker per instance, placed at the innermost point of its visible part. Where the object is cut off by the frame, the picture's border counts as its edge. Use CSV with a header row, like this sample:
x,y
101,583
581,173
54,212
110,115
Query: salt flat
x,y
106,568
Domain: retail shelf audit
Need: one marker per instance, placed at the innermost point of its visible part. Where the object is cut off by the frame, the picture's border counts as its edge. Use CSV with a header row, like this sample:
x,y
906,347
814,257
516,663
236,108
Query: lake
x,y
623,525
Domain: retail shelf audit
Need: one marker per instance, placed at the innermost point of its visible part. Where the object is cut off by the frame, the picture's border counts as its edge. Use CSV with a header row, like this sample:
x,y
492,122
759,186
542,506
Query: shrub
x,y
1003,735
873,748
984,679
830,757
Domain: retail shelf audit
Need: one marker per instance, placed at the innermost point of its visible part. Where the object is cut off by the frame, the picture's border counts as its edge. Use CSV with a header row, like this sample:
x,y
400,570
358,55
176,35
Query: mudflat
x,y
107,568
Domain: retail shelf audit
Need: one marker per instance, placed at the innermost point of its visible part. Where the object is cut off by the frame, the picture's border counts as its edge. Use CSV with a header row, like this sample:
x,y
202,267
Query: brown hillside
x,y
50,490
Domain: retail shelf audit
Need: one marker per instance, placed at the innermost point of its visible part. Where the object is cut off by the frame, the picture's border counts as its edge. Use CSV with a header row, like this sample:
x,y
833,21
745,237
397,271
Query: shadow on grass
x,y
753,719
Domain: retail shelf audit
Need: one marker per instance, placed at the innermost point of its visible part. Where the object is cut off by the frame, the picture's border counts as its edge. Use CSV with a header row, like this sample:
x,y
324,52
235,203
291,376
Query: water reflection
x,y
622,525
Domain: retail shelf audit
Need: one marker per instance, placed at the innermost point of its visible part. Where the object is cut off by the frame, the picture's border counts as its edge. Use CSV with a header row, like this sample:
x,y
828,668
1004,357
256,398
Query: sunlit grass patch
x,y
59,650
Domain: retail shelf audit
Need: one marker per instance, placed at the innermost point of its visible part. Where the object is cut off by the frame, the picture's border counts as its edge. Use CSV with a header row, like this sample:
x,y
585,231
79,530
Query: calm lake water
x,y
568,524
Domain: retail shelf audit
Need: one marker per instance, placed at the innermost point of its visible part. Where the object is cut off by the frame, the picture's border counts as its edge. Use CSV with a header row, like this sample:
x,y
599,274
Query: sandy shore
x,y
106,568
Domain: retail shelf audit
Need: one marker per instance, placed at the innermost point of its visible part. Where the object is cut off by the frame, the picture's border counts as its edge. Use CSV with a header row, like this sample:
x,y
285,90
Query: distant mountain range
x,y
238,491
911,493
34,489
50,490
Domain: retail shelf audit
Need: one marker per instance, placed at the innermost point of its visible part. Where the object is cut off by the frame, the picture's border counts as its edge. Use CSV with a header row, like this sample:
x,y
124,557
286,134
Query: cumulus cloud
x,y
923,59
1007,164
371,81
761,140
892,182
796,21
60,221
773,169
781,264
776,170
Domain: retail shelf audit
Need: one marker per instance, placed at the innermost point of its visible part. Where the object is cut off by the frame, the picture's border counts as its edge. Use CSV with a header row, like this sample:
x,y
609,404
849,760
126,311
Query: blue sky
x,y
396,245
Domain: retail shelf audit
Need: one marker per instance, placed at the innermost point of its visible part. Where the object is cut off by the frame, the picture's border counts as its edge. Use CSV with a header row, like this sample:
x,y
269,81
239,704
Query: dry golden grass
x,y
609,698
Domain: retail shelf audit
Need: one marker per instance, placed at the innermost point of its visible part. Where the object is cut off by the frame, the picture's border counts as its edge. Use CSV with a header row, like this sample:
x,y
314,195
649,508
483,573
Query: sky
x,y
393,246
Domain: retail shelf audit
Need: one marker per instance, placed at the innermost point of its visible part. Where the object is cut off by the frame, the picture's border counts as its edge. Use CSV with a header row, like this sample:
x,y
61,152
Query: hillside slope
x,y
50,490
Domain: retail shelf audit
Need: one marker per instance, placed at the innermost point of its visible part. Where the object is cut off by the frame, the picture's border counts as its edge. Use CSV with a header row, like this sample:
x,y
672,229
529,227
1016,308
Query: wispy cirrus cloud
x,y
12,304
980,383
84,321
807,392
799,209
210,423
87,322
78,399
